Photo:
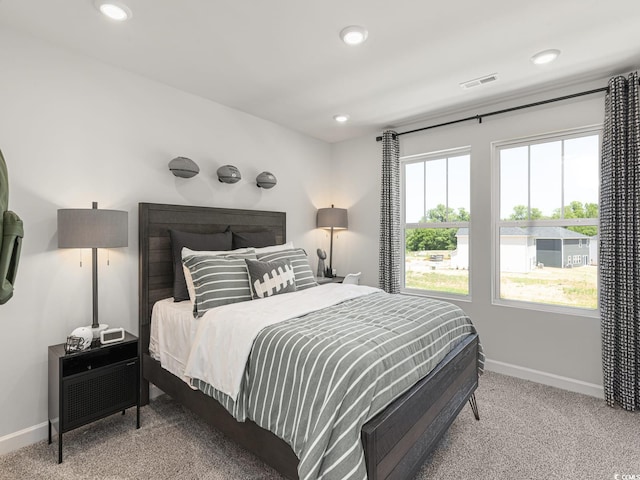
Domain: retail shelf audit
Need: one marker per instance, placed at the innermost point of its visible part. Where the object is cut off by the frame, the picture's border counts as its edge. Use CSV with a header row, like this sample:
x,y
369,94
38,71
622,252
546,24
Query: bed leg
x,y
144,390
474,406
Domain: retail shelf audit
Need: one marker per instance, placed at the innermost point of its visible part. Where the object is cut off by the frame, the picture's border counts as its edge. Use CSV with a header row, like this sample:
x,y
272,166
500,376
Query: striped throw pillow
x,y
299,262
218,280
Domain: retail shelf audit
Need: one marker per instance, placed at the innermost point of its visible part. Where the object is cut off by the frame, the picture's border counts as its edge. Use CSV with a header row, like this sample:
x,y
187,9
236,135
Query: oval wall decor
x,y
229,174
184,167
266,180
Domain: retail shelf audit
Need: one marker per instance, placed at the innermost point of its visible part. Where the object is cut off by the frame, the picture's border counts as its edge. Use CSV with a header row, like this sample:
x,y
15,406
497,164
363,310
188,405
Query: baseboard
x,y
25,437
40,432
551,379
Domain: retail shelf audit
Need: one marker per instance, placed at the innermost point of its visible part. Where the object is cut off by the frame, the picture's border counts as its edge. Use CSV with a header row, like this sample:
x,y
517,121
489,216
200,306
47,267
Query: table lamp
x,y
93,228
333,218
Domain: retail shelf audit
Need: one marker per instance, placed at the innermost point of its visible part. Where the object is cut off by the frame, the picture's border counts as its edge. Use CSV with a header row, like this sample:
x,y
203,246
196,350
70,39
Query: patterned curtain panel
x,y
389,271
620,244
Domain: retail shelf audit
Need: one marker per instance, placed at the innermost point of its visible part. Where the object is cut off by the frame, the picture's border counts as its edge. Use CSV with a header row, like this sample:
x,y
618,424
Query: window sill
x,y
547,308
436,294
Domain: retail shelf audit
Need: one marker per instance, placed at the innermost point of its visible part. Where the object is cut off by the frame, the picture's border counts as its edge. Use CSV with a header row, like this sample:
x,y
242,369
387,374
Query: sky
x,y
548,171
447,182
529,175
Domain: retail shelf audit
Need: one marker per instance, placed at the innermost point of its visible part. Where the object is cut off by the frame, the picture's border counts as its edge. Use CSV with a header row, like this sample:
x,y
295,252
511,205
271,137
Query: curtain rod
x,y
506,110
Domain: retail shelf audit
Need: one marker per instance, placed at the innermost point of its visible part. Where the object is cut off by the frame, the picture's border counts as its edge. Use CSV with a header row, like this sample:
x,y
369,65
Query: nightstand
x,y
92,384
323,280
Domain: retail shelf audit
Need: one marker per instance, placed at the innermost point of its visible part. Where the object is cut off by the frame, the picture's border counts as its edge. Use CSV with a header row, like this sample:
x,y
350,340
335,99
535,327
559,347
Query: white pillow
x,y
188,279
273,248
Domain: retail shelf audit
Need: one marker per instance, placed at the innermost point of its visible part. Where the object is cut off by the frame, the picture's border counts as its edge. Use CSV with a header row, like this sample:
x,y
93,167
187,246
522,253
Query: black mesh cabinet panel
x,y
89,385
87,397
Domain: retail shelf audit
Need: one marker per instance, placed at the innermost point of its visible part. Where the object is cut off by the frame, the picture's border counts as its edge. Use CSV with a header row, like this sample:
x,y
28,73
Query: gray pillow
x,y
260,239
218,280
299,262
193,241
270,278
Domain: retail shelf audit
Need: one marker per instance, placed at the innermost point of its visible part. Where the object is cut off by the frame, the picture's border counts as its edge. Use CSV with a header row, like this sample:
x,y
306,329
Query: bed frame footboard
x,y
399,439
396,442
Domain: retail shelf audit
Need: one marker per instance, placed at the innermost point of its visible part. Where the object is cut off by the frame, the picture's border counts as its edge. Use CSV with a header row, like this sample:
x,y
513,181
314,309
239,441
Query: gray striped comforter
x,y
315,380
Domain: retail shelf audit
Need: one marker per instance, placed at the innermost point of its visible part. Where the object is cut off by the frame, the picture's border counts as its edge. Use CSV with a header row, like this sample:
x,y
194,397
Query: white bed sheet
x,y
173,328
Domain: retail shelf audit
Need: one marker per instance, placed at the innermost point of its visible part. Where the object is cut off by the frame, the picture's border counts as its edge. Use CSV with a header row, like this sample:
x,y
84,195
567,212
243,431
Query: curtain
x,y
620,244
389,269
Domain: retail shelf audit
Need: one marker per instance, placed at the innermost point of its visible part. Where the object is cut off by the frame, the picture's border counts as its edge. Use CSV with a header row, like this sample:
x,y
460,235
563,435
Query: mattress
x,y
173,328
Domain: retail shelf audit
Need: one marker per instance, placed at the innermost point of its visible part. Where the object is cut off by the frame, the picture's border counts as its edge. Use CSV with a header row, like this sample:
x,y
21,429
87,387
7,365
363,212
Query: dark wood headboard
x,y
156,266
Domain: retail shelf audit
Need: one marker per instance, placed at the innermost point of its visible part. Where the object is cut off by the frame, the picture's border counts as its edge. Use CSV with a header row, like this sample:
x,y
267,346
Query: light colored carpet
x,y
526,431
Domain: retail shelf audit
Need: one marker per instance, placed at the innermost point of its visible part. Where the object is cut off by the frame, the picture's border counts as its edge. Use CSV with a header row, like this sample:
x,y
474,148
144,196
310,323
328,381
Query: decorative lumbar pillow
x,y
194,241
299,262
218,281
253,239
270,278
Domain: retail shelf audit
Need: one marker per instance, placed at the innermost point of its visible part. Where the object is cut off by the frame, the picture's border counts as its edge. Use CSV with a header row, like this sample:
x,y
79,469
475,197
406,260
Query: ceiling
x,y
283,61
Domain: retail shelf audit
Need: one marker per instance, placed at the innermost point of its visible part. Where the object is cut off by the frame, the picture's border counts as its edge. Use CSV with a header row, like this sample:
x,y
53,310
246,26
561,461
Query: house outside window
x,y
546,203
436,213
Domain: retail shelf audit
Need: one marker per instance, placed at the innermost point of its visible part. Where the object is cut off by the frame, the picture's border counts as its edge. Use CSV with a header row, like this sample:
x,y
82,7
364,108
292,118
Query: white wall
x,y
545,345
460,256
514,254
73,131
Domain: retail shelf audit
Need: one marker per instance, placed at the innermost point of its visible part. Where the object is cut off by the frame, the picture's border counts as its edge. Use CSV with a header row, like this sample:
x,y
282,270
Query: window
x,y
548,201
436,212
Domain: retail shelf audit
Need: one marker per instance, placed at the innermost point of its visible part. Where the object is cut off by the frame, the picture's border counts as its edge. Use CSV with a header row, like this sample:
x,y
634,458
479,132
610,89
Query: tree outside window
x,y
436,210
547,232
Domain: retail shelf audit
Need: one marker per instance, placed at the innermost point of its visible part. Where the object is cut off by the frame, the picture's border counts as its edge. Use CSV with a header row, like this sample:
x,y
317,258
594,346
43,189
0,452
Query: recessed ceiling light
x,y
114,10
354,35
546,56
341,117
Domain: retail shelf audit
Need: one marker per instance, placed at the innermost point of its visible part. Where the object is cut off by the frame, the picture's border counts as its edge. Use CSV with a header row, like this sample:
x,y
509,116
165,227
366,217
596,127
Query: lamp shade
x,y
332,218
92,228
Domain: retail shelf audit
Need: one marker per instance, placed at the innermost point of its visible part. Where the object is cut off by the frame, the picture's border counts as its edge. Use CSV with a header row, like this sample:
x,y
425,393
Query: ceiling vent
x,y
476,82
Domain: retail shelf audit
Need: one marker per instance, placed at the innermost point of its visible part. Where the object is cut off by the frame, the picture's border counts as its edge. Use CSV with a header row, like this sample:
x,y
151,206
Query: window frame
x,y
404,225
497,223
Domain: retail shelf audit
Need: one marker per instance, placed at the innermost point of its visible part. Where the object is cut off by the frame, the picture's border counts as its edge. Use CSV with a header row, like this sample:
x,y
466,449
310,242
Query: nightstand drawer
x,y
97,358
97,393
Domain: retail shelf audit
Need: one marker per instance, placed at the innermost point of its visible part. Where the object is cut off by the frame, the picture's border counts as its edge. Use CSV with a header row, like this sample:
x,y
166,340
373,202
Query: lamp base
x,y
96,331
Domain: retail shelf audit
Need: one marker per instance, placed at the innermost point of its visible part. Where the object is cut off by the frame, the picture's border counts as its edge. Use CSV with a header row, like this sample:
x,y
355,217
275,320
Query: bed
x,y
396,441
